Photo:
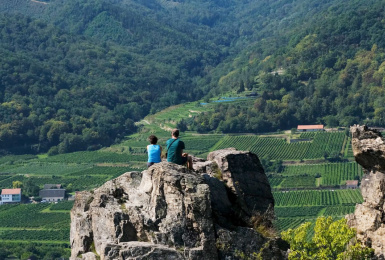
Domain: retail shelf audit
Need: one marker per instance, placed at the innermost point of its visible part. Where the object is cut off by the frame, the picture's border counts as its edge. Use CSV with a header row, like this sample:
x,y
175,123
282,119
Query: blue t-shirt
x,y
174,150
154,153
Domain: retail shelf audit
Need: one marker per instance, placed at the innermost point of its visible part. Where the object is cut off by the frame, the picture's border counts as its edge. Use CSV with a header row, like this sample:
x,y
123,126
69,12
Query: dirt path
x,y
166,128
38,2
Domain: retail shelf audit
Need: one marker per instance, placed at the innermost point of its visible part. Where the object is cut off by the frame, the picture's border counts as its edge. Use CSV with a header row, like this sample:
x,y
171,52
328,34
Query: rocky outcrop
x,y
369,218
169,212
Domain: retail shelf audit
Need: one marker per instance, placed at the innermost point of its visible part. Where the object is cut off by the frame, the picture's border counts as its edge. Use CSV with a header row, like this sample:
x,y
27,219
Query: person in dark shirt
x,y
175,150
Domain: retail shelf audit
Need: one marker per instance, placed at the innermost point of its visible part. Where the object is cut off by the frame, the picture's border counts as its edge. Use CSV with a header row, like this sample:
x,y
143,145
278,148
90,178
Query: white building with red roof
x,y
310,128
10,195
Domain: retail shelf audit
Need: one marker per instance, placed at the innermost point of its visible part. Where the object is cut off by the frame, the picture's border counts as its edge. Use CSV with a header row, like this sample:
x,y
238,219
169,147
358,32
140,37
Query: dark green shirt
x,y
174,150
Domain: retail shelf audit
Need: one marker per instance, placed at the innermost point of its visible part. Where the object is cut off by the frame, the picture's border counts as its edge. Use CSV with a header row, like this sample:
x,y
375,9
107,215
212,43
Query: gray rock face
x,y
244,175
169,212
369,150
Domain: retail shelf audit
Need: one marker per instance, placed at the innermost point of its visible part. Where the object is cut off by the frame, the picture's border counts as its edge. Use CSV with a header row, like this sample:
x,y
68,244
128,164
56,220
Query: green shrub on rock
x,y
331,240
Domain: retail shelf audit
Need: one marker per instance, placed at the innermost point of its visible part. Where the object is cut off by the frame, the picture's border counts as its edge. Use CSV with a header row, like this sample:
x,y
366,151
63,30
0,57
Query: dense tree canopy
x,y
78,74
330,72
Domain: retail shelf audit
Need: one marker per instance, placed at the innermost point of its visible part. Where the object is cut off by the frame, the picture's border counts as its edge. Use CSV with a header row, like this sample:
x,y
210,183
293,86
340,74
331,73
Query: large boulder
x,y
170,212
368,218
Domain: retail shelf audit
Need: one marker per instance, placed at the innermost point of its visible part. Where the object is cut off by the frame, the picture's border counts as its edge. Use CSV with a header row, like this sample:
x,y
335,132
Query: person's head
x,y
153,139
175,133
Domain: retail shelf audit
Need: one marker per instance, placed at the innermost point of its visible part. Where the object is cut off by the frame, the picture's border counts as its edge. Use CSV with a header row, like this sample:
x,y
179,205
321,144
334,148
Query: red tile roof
x,y
352,182
10,191
307,127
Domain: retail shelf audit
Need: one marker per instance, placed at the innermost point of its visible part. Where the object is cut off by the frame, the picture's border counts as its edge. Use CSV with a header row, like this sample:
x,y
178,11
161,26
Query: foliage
x,y
316,67
70,94
330,241
17,184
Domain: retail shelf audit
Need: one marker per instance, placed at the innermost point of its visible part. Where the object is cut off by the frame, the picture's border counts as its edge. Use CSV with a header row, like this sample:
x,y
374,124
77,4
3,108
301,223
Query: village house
x,y
52,193
11,195
310,128
353,184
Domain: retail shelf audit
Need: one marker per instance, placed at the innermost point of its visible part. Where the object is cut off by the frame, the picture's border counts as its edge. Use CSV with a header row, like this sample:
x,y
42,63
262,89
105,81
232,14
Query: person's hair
x,y
175,132
153,139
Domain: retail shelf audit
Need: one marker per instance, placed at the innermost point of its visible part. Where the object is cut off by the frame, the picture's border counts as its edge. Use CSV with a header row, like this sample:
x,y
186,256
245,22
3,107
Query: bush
x,y
331,240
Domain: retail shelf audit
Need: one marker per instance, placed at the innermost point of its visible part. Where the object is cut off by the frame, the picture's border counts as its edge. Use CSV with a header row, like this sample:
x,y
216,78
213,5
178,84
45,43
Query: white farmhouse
x,y
10,195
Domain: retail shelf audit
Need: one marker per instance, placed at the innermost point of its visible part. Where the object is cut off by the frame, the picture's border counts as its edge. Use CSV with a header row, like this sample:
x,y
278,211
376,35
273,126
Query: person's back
x,y
154,151
174,151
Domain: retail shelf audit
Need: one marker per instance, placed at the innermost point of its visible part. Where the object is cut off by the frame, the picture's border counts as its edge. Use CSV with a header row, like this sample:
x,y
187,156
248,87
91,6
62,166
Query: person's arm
x,y
183,147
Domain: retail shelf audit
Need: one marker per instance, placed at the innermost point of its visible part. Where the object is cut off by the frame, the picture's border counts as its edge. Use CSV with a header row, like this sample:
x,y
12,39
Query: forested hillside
x,y
329,70
77,74
59,89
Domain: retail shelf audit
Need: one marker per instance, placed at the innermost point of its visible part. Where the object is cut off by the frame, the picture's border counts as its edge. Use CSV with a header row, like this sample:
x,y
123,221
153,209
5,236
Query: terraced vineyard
x,y
94,157
336,174
242,143
280,149
300,181
78,177
201,144
38,168
286,223
298,211
339,211
292,217
318,197
31,216
331,173
29,222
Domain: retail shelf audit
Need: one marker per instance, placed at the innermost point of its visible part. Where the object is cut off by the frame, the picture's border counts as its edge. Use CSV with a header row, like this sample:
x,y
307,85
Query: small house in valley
x,y
11,195
310,128
51,193
352,184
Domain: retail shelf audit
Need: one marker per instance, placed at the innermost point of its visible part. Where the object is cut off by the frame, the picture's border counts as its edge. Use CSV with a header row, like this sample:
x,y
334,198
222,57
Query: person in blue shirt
x,y
175,150
154,151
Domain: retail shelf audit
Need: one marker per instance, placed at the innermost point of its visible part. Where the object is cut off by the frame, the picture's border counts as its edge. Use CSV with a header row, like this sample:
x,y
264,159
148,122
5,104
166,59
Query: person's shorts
x,y
184,159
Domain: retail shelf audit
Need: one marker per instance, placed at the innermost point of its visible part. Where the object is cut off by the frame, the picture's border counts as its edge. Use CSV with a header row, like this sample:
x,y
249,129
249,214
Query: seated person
x,y
154,151
175,150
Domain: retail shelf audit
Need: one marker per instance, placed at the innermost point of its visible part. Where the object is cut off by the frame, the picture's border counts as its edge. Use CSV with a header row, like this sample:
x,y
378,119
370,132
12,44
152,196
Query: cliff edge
x,y
369,218
169,212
